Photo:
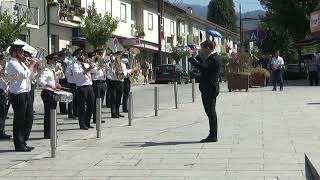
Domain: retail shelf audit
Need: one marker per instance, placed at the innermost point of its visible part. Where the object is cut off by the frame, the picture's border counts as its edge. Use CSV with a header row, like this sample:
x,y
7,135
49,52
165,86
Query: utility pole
x,y
241,38
160,13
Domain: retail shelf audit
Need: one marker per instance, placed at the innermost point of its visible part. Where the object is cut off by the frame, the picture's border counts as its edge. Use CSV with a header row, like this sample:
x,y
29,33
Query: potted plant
x,y
238,72
258,77
140,34
62,14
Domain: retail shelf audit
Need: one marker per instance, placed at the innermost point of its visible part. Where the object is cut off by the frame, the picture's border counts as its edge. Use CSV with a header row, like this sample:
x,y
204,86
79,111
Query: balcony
x,y
68,15
21,10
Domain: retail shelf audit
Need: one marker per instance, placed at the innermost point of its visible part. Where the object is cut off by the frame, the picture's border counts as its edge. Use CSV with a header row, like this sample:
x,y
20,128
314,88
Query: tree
x,y
222,12
10,29
178,52
98,29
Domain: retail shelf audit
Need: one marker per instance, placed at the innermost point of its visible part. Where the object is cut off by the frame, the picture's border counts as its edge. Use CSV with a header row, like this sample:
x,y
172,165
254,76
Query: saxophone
x,y
118,68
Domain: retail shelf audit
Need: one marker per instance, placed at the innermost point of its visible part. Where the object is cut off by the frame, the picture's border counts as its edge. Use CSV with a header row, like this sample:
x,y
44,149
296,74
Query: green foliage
x,y
224,58
222,12
10,29
97,28
178,52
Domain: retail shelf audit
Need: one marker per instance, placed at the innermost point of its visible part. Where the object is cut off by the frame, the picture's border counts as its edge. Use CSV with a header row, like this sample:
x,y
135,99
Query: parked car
x,y
171,73
294,71
195,74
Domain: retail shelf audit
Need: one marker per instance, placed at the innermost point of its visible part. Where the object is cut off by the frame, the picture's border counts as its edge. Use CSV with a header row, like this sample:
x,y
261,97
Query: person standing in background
x,y
3,98
277,65
145,71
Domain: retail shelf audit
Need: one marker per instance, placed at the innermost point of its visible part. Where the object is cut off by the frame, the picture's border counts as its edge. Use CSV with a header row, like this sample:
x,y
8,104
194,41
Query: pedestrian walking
x,y
277,65
20,86
313,69
145,71
208,62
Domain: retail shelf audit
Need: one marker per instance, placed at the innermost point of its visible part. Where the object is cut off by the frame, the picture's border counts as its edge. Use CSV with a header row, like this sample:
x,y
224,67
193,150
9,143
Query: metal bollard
x,y
53,132
98,117
193,90
130,113
156,101
176,94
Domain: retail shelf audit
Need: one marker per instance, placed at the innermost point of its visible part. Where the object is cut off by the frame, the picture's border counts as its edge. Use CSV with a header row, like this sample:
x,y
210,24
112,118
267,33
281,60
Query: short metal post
x,y
53,132
130,110
156,101
98,117
193,90
176,94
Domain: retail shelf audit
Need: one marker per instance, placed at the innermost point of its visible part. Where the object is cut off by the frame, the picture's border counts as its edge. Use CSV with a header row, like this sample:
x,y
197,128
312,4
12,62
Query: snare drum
x,y
63,96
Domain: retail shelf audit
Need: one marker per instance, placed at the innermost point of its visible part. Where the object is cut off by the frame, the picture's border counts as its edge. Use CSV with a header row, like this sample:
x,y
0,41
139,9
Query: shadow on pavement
x,y
313,103
7,151
151,144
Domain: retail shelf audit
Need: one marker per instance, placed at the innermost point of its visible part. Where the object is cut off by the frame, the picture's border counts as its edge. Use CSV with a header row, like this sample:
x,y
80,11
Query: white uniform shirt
x,y
276,63
3,80
111,72
69,73
19,77
98,74
47,77
80,78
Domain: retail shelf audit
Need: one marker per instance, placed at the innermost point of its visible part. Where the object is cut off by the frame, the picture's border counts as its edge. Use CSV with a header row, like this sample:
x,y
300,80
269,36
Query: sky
x,y
247,5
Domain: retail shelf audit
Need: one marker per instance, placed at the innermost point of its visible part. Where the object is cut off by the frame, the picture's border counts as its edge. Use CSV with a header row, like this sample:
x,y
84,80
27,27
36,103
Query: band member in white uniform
x,y
99,81
48,80
85,94
3,98
72,106
126,85
20,97
116,73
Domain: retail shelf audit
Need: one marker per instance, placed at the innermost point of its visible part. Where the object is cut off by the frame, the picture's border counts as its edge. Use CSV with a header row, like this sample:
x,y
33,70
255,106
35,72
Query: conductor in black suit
x,y
208,62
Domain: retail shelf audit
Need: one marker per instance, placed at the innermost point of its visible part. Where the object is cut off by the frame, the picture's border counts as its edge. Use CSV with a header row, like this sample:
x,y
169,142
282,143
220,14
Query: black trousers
x,y
116,90
313,78
108,93
49,103
209,104
99,88
23,117
126,91
85,100
277,77
33,88
3,109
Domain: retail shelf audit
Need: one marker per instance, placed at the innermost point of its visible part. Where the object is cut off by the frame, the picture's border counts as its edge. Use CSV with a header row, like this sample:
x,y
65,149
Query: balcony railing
x,y
22,10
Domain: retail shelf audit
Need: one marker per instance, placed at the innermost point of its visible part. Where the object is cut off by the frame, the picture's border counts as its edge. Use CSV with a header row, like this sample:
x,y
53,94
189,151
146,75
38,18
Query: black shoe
x,y
281,89
120,115
72,116
125,111
4,136
30,147
115,116
274,89
207,140
84,128
23,149
90,127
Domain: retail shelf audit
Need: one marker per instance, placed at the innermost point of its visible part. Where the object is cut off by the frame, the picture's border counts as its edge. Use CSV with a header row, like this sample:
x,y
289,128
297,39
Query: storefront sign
x,y
315,22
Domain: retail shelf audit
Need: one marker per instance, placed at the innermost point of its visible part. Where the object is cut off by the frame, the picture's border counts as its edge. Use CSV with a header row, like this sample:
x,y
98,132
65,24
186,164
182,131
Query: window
x,y
150,21
108,6
123,12
172,27
54,43
182,29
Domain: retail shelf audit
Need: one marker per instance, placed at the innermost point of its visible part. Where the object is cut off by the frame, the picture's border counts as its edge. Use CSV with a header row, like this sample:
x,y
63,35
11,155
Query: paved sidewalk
x,y
263,135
